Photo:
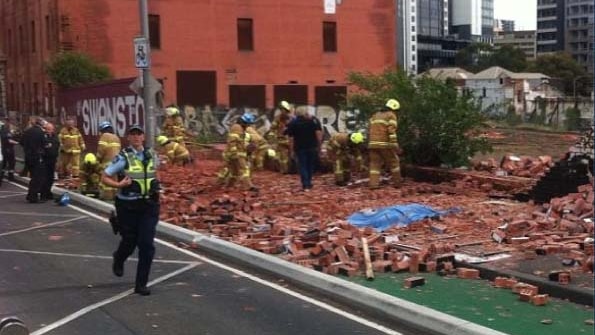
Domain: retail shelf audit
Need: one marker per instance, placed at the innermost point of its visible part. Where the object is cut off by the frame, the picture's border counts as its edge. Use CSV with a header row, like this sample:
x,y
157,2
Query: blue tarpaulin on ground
x,y
401,215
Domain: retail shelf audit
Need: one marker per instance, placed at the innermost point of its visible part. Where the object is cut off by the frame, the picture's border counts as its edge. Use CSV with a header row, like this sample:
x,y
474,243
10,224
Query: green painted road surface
x,y
478,302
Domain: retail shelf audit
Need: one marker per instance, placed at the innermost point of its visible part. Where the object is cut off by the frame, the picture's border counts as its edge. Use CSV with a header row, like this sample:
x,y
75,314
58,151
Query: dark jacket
x,y
51,147
34,143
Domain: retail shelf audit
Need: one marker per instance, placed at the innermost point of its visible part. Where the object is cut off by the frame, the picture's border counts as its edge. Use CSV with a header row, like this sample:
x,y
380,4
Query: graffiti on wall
x,y
121,111
214,123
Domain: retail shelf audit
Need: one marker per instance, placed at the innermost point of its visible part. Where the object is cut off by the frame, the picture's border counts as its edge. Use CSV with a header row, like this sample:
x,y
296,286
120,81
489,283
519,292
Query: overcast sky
x,y
523,12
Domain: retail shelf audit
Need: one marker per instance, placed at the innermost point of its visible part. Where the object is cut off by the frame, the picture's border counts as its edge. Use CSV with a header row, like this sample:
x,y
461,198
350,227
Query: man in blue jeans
x,y
305,134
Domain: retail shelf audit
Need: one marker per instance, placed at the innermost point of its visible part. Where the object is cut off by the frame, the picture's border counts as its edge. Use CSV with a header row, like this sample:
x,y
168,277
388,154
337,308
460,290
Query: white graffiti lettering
x,y
121,111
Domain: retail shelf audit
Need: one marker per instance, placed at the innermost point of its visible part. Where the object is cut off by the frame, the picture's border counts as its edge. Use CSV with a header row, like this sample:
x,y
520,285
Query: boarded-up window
x,y
252,96
47,32
33,39
294,94
329,36
329,95
245,35
154,31
21,41
196,88
9,42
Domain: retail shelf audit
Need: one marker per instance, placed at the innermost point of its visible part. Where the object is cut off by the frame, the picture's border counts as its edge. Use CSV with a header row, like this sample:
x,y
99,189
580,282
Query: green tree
x,y
73,69
479,56
564,70
437,125
475,57
509,57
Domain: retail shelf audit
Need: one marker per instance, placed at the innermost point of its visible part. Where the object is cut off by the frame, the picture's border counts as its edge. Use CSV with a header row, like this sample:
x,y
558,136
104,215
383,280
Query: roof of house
x,y
496,72
448,72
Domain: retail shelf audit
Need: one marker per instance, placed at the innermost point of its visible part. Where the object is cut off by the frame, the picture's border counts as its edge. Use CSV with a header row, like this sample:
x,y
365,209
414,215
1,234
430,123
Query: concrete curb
x,y
396,309
577,295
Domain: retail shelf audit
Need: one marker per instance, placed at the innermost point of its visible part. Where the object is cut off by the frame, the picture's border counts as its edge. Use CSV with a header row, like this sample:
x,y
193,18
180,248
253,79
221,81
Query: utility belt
x,y
138,204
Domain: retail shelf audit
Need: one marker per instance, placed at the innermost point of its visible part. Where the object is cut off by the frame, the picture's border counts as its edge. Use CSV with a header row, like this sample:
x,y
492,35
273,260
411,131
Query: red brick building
x,y
234,53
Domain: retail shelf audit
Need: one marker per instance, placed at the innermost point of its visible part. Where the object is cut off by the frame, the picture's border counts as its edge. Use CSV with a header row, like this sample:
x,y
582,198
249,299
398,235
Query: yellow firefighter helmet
x,y
393,104
356,138
90,159
162,139
171,111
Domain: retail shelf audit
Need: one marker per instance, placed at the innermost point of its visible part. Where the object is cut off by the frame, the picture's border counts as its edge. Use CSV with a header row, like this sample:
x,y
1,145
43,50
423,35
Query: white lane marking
x,y
97,305
47,253
274,286
12,195
287,291
39,214
43,226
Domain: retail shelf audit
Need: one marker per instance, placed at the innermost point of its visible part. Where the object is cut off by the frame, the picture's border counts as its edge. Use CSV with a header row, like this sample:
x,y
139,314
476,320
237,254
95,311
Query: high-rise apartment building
x,y
503,26
550,26
579,32
424,41
520,39
472,19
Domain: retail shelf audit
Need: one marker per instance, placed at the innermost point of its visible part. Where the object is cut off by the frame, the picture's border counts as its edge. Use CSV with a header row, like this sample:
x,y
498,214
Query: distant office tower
x,y
520,39
423,39
550,26
505,26
578,36
472,19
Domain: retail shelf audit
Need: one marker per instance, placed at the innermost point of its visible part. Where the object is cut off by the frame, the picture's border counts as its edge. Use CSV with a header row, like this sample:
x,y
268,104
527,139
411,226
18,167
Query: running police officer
x,y
133,172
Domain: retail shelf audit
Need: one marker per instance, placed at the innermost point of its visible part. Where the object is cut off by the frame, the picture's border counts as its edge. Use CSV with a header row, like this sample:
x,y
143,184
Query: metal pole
x,y
148,101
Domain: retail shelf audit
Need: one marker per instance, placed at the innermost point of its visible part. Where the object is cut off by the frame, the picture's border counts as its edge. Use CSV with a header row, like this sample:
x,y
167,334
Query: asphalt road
x,y
56,277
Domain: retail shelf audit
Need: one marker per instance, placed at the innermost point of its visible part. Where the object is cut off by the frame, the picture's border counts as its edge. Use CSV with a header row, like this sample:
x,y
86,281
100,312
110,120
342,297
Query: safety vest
x,y
383,131
142,173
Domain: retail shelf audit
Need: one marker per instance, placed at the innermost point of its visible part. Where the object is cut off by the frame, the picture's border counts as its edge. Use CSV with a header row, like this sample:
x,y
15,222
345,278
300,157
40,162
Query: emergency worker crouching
x,y
90,176
347,149
176,153
257,148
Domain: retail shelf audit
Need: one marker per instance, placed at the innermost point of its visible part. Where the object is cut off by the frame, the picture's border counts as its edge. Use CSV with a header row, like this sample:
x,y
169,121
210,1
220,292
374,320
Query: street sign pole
x,y
145,64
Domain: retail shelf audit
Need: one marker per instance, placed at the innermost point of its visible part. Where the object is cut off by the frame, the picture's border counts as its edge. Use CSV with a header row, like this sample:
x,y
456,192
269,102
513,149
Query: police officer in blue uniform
x,y
133,172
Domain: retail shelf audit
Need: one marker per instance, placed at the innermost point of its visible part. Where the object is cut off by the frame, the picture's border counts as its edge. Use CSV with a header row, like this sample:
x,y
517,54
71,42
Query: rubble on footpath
x,y
520,166
310,228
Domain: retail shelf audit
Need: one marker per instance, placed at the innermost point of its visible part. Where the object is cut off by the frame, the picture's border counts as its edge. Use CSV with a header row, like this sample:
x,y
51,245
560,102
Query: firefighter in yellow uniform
x,y
176,153
108,147
236,166
383,145
90,176
277,137
346,148
260,148
173,126
71,146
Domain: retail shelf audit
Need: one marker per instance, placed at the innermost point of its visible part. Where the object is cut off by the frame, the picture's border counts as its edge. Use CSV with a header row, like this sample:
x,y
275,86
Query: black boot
x,y
142,290
11,175
117,267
